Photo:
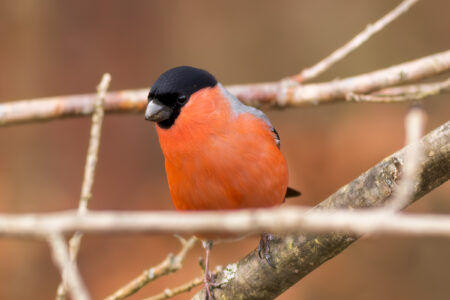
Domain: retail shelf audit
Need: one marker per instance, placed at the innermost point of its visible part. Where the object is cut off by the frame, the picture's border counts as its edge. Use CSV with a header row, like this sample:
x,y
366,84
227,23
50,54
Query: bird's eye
x,y
181,99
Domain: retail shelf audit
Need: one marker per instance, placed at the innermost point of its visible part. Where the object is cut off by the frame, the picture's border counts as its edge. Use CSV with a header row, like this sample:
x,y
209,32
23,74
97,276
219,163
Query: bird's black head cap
x,y
174,87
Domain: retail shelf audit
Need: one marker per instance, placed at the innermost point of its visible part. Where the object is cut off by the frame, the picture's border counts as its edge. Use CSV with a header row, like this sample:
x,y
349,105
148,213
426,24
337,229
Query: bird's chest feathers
x,y
202,129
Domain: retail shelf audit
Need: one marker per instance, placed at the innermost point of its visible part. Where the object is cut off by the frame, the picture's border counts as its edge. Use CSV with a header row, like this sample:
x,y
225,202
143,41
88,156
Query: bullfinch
x,y
219,153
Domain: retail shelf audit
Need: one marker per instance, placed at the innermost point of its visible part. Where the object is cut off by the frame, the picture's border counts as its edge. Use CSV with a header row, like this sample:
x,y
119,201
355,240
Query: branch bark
x,y
273,94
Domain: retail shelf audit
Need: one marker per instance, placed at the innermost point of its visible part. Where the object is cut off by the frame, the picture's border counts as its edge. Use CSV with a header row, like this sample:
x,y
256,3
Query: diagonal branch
x,y
275,94
353,44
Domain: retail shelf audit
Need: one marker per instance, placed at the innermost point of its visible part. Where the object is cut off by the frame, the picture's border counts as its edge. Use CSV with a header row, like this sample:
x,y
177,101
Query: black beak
x,y
157,112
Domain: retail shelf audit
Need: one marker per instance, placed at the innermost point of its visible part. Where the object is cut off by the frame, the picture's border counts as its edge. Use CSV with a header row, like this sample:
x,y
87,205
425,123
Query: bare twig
x,y
353,44
256,94
67,267
89,170
94,144
414,125
169,293
405,93
171,264
415,89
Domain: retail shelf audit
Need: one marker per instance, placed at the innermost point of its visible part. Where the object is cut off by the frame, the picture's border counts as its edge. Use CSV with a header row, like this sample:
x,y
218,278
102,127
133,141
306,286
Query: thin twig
x,y
184,288
272,94
89,170
414,125
415,89
171,264
94,143
353,44
67,267
401,94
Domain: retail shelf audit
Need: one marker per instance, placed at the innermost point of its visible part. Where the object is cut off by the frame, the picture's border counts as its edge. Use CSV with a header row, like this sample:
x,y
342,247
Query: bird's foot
x,y
210,284
264,248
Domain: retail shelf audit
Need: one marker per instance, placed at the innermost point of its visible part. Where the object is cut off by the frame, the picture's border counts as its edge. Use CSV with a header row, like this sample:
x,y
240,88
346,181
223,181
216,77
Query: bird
x,y
220,154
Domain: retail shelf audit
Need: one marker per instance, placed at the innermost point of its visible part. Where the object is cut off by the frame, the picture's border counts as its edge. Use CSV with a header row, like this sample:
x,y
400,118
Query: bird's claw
x,y
210,285
264,248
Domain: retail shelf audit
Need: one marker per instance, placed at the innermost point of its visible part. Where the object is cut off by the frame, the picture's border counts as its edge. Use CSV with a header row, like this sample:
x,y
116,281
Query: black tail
x,y
290,193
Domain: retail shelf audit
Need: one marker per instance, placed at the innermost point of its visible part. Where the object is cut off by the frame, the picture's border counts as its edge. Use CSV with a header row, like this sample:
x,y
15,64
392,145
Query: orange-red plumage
x,y
219,153
216,158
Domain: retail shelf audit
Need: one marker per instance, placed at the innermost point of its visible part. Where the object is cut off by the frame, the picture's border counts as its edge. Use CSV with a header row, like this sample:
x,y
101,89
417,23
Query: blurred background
x,y
51,48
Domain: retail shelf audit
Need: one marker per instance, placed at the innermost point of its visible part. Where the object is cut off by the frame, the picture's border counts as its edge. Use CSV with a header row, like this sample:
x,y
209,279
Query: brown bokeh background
x,y
62,47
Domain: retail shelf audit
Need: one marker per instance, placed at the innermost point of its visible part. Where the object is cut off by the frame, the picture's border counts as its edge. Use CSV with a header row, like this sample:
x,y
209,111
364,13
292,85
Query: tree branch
x,y
354,43
276,94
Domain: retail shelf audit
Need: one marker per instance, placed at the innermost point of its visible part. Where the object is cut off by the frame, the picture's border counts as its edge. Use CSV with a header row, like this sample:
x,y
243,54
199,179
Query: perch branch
x,y
89,170
171,264
257,94
353,44
67,267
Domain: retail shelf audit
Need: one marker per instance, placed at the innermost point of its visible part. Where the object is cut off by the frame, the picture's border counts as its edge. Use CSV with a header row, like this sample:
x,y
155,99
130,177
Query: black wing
x,y
276,137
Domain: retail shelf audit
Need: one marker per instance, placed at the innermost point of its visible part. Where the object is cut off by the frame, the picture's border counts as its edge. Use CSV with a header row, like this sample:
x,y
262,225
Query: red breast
x,y
217,158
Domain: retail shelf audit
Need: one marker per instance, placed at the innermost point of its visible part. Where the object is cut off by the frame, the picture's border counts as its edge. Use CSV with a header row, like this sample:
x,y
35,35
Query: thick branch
x,y
281,93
